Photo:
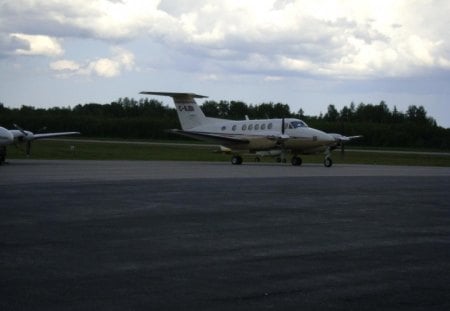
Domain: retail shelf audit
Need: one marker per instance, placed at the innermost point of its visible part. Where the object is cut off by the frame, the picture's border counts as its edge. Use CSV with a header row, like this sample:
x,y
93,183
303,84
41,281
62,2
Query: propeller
x,y
341,140
27,136
339,143
281,140
20,129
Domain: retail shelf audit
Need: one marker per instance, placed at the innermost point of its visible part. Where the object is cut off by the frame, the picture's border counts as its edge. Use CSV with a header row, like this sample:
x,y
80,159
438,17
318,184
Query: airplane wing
x,y
339,137
216,138
48,135
278,137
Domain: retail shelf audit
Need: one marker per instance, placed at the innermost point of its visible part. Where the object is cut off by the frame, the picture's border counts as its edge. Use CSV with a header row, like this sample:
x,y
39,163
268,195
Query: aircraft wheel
x,y
236,160
257,159
278,160
296,161
328,162
2,154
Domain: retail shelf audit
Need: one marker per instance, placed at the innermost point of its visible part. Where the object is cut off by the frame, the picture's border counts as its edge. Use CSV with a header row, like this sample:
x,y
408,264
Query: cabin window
x,y
263,127
234,127
256,127
270,126
244,127
250,127
224,128
298,124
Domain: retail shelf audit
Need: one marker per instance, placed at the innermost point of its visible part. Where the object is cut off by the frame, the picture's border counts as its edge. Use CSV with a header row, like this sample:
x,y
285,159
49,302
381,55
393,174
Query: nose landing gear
x,y
328,162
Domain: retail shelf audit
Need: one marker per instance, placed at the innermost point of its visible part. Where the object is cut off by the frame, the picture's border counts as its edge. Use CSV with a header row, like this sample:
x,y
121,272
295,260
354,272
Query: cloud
x,y
37,45
9,44
65,65
102,67
338,39
99,19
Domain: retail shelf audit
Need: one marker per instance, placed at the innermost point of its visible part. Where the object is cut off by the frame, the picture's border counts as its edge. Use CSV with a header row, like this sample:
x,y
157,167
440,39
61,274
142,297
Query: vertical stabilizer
x,y
189,113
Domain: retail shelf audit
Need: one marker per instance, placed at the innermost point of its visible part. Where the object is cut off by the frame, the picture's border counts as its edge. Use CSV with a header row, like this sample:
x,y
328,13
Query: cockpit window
x,y
297,124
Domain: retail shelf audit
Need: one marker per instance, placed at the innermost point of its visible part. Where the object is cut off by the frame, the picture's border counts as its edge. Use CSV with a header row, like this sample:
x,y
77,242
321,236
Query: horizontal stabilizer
x,y
175,95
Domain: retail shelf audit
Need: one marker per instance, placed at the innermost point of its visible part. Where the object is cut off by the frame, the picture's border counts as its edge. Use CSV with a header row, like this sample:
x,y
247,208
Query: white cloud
x,y
102,67
38,45
65,65
342,39
105,67
273,78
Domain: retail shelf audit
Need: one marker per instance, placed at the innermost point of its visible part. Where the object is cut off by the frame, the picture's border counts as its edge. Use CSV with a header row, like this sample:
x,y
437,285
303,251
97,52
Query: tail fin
x,y
189,113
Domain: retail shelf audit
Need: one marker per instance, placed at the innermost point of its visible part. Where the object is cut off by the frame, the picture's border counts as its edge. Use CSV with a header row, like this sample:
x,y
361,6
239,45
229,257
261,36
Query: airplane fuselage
x,y
264,134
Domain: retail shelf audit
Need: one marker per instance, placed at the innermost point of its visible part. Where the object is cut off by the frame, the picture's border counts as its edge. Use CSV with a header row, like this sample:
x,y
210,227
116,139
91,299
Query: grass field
x,y
77,150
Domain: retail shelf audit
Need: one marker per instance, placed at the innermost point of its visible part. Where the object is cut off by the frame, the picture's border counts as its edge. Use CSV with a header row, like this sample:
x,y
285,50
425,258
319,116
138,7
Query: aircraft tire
x,y
2,154
236,160
327,162
296,161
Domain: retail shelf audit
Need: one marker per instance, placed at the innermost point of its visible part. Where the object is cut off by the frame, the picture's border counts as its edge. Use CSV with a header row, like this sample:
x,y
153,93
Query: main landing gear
x,y
236,160
295,161
2,154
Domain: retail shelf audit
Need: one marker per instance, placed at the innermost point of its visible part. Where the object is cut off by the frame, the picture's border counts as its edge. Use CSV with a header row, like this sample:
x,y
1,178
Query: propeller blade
x,y
282,126
20,129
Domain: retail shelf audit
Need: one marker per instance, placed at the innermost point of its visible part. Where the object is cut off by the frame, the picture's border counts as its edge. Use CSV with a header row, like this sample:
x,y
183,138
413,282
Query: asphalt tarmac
x,y
131,235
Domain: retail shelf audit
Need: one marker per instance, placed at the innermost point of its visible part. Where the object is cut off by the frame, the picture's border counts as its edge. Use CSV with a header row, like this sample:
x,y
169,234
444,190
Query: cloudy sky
x,y
306,53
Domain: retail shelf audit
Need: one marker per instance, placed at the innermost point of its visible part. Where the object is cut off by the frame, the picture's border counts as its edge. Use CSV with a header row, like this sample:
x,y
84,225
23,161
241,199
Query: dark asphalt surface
x,y
312,243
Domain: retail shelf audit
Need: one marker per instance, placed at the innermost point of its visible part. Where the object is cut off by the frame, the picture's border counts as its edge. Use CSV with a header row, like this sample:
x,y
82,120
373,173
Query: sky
x,y
304,53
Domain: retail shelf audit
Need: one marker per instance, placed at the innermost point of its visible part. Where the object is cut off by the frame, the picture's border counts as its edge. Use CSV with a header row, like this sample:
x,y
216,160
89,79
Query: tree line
x,y
150,118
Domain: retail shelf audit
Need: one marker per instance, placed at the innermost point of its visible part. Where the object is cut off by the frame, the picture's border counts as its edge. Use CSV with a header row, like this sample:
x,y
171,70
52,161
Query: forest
x,y
150,118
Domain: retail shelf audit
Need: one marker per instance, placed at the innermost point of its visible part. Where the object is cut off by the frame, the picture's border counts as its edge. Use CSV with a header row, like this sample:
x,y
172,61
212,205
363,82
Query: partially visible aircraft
x,y
17,136
266,137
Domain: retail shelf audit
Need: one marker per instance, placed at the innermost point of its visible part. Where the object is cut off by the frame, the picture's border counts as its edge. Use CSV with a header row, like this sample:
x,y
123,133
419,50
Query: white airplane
x,y
267,137
14,137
